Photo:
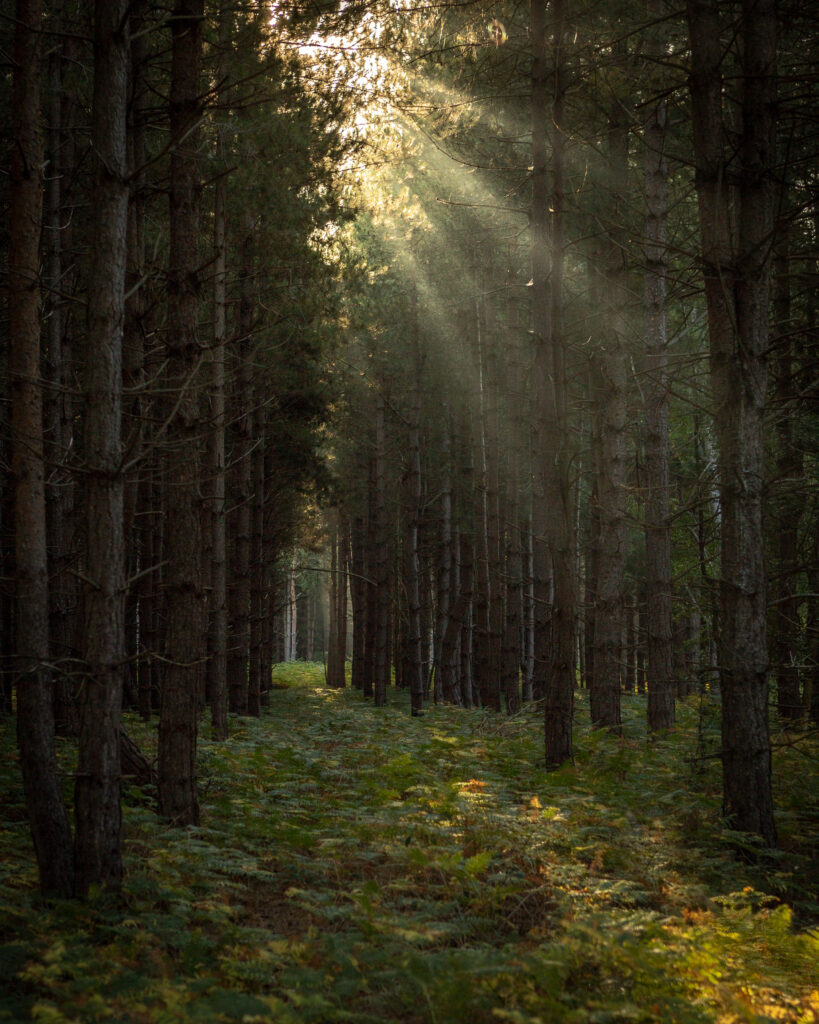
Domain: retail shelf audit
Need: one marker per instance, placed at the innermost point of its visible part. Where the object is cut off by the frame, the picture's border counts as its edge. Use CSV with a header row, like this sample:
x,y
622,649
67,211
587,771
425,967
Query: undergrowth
x,y
356,864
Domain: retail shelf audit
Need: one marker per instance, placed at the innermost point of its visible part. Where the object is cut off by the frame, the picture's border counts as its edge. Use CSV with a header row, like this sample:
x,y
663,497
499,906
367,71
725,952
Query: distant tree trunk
x,y
511,653
59,490
446,563
495,547
487,685
337,631
358,596
549,378
592,545
184,597
98,815
790,468
381,559
736,247
239,593
254,695
611,399
47,816
460,587
660,664
217,665
411,517
528,609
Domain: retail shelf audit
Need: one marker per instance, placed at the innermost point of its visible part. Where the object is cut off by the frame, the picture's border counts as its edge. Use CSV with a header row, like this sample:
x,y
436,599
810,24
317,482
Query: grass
x,y
356,864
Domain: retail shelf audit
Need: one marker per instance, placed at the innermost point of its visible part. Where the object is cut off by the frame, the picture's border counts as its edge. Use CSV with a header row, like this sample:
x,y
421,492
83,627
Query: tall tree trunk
x,y
59,496
239,593
736,263
184,596
217,664
549,377
611,399
254,695
446,561
660,663
358,596
134,405
334,671
490,374
47,816
790,468
381,660
511,653
97,853
412,515
484,668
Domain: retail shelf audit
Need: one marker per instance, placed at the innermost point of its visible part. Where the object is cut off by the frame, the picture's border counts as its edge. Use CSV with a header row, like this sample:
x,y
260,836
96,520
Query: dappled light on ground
x,y
357,865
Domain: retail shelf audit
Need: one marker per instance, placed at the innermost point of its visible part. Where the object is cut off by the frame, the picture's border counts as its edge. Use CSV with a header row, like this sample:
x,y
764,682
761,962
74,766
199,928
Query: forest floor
x,y
356,864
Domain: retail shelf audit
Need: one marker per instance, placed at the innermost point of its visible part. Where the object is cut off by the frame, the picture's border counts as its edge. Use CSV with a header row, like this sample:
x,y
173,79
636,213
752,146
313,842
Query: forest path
x,y
356,864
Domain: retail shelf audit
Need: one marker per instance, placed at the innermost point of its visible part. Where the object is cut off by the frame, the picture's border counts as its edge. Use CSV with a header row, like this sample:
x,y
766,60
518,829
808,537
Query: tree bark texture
x,y
98,815
736,246
47,816
217,664
239,593
183,583
789,471
611,402
656,472
549,378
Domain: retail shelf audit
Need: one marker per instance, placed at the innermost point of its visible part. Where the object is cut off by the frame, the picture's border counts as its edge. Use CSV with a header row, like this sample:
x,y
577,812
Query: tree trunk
x,y
98,815
611,400
217,665
549,379
358,596
412,515
184,596
254,694
59,490
790,468
660,664
381,660
239,593
47,816
736,263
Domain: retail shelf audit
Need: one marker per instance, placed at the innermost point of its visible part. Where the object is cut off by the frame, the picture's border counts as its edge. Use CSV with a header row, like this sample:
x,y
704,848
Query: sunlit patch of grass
x,y
357,864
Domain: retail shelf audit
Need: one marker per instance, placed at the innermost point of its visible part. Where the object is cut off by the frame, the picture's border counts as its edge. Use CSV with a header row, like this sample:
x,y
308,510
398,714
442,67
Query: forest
x,y
409,511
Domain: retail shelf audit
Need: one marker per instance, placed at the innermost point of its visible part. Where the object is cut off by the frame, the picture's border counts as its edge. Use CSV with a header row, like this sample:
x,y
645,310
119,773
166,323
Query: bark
x,y
656,481
239,592
136,327
484,665
790,468
59,489
98,815
412,515
549,379
446,566
611,400
254,696
218,633
337,628
185,604
736,266
358,597
47,816
495,548
511,652
381,559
